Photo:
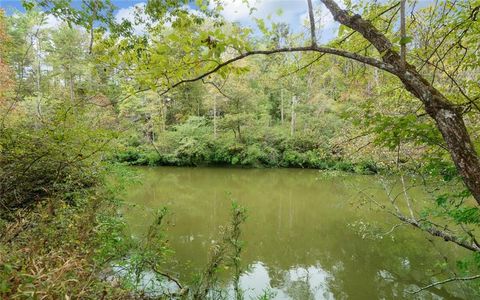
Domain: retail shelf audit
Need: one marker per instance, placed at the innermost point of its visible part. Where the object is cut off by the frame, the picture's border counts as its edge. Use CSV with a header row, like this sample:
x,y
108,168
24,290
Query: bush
x,y
60,156
59,226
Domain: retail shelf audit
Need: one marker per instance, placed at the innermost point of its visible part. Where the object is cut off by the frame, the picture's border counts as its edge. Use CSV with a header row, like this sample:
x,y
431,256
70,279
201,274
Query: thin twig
x,y
445,281
168,276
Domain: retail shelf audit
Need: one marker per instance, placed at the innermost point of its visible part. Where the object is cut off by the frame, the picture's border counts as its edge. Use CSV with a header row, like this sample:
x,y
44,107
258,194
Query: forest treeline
x,y
182,86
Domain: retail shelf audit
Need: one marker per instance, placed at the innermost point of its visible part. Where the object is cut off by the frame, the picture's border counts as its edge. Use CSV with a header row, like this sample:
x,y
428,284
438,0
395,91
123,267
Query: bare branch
x,y
302,67
218,88
446,281
393,228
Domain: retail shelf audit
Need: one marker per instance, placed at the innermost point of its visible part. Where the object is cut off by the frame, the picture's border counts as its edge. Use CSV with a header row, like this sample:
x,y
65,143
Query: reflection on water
x,y
297,283
299,240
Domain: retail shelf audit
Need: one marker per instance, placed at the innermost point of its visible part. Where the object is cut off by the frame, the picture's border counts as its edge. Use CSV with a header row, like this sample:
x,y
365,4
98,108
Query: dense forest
x,y
85,95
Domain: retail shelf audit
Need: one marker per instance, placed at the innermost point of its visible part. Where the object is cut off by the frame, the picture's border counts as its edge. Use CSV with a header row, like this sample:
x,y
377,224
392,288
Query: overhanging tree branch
x,y
363,59
439,233
422,224
446,281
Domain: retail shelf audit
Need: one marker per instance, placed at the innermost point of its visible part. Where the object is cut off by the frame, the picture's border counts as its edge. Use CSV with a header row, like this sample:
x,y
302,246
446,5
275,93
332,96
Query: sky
x,y
294,13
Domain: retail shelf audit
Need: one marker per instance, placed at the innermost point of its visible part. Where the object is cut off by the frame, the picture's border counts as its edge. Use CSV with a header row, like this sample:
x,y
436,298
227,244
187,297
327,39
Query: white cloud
x,y
327,25
129,14
324,19
294,13
238,10
52,22
49,22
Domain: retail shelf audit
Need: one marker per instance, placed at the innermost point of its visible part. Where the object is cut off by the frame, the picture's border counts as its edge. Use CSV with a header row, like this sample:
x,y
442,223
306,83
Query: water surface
x,y
305,233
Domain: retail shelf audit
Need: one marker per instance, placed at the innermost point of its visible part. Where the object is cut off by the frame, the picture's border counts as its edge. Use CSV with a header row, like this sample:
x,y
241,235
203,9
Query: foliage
x,y
57,250
59,157
192,144
76,99
226,252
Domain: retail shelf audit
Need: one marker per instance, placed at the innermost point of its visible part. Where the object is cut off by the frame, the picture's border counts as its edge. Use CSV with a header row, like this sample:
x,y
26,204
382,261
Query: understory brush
x,y
56,251
59,225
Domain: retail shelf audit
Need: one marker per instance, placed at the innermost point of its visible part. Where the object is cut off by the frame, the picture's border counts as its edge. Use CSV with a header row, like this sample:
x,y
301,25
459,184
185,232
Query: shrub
x,y
59,156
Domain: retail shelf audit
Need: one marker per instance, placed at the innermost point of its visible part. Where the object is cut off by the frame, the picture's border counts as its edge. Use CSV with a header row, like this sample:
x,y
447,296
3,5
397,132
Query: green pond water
x,y
304,236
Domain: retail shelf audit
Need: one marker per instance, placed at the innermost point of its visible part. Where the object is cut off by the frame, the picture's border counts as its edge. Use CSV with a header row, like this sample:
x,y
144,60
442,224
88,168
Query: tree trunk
x,y
451,125
281,106
375,77
214,117
293,119
403,33
92,23
72,97
313,35
164,115
39,88
239,133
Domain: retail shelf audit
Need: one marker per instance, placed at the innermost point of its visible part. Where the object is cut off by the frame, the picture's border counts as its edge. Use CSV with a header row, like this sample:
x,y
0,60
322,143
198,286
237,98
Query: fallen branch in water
x,y
168,276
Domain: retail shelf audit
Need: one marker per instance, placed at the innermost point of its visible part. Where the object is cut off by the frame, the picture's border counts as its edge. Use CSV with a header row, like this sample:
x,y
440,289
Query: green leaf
x,y
442,200
406,40
28,5
261,25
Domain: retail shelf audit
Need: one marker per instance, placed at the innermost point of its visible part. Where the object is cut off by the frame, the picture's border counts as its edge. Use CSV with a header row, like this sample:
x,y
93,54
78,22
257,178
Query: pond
x,y
307,236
